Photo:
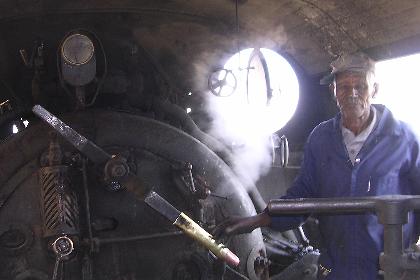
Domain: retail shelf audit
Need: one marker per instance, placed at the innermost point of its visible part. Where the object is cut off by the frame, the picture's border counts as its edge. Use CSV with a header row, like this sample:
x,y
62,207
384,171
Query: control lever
x,y
190,228
81,143
116,170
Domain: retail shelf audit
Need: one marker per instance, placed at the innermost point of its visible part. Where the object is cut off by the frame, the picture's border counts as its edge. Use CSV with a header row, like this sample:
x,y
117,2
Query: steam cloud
x,y
240,126
237,127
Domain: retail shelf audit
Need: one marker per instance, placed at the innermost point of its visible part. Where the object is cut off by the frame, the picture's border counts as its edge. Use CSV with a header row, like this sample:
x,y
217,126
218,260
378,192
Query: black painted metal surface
x,y
128,239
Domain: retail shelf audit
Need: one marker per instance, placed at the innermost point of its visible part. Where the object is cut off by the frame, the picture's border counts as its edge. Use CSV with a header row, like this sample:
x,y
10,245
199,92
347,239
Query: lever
x,y
116,169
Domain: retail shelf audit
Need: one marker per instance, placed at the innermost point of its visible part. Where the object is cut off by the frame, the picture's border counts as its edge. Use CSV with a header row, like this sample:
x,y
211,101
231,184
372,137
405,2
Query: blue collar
x,y
386,124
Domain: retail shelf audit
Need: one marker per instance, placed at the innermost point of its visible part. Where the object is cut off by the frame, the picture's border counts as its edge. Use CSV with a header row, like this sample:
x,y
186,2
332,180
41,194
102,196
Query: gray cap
x,y
356,62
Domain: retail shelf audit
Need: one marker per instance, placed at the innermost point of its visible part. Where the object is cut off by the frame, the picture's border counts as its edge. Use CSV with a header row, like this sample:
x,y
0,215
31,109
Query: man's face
x,y
354,92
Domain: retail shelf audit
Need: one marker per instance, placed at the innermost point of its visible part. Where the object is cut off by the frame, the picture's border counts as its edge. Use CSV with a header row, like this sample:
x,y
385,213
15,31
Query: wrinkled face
x,y
354,92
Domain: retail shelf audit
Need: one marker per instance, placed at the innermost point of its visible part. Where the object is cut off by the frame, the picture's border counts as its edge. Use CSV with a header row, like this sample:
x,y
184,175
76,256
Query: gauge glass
x,y
77,49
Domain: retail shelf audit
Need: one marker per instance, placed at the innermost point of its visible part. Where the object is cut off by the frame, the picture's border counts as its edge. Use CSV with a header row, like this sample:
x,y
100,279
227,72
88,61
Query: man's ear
x,y
375,90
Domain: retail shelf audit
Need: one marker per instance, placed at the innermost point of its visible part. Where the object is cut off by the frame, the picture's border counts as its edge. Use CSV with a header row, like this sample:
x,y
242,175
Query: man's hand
x,y
238,225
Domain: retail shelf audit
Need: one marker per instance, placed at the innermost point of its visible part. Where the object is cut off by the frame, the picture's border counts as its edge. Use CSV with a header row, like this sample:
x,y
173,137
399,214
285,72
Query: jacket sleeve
x,y
414,175
302,187
415,168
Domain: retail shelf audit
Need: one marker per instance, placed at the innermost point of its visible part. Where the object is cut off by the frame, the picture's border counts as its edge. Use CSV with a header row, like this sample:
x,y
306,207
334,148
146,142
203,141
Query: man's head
x,y
352,81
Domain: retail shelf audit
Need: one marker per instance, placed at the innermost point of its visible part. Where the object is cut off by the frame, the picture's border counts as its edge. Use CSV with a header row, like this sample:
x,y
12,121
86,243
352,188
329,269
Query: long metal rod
x,y
88,148
339,204
321,205
87,204
102,241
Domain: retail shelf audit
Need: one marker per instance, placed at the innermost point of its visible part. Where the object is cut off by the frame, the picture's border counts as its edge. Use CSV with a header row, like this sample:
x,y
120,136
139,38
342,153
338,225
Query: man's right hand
x,y
237,225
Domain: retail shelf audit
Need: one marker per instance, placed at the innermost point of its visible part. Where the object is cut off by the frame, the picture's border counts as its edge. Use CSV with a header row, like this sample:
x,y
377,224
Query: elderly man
x,y
363,151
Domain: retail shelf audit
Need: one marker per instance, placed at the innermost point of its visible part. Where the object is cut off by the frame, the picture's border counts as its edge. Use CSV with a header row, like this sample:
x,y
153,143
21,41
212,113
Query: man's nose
x,y
354,92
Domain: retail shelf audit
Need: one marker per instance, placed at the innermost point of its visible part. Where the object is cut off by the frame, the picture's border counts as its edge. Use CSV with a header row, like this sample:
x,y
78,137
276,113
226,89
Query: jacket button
x,y
357,160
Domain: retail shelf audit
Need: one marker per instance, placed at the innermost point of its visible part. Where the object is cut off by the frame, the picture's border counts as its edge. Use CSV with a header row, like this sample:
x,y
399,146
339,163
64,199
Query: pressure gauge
x,y
77,49
78,60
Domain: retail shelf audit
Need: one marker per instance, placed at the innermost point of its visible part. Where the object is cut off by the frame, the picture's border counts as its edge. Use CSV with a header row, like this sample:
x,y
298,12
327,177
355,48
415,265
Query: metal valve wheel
x,y
222,83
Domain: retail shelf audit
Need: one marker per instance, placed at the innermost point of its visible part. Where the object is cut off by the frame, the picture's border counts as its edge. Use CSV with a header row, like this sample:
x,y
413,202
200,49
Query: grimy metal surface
x,y
310,31
392,212
133,242
162,51
339,205
321,205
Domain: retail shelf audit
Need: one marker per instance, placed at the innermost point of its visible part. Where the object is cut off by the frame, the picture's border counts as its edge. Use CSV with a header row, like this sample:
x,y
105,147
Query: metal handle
x,y
284,151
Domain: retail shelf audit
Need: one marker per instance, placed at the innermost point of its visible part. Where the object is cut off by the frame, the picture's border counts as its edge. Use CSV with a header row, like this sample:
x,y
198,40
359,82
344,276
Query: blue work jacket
x,y
387,164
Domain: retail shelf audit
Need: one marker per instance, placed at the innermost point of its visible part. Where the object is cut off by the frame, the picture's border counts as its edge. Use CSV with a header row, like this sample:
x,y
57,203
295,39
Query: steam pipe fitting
x,y
63,246
392,212
116,167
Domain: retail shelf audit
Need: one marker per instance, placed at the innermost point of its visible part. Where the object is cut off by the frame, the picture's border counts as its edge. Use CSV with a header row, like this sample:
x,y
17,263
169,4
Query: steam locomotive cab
x,y
63,213
131,130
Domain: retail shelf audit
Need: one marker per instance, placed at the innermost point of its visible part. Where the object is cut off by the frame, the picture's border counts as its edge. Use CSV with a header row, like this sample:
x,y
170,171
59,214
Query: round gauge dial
x,y
77,49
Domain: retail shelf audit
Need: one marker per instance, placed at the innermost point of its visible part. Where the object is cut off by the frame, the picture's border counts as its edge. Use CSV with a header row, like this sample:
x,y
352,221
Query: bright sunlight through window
x,y
255,95
248,108
399,88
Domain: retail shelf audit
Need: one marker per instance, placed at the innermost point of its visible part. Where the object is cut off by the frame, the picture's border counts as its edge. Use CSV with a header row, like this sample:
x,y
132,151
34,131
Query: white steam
x,y
244,120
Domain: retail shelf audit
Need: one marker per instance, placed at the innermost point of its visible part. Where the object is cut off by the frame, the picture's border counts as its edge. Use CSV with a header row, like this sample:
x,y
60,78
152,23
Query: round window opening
x,y
260,88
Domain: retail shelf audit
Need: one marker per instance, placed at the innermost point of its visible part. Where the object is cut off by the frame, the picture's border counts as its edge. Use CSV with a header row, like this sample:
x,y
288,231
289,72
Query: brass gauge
x,y
77,49
78,59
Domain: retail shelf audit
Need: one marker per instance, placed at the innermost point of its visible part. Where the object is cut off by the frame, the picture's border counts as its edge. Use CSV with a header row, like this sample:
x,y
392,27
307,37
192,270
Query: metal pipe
x,y
87,204
102,241
393,240
392,211
393,251
414,203
321,205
